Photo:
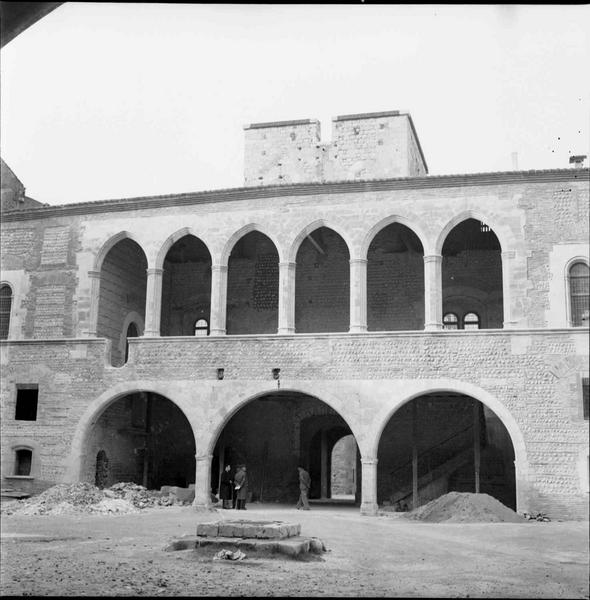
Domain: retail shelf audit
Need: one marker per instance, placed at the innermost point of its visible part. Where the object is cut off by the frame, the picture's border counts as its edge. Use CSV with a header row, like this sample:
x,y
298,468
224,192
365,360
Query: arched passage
x,y
343,466
395,280
472,291
322,283
253,285
186,286
272,435
141,437
440,442
123,282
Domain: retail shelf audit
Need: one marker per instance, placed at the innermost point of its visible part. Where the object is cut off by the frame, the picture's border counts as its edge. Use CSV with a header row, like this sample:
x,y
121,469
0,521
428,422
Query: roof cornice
x,y
300,189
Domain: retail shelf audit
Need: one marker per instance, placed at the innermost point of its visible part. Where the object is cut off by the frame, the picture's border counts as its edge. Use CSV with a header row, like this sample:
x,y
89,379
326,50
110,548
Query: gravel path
x,y
369,556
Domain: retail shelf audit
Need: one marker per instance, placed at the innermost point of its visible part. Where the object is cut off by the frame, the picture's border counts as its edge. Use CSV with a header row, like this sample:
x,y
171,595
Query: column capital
x,y
219,268
358,261
94,274
369,461
154,271
287,265
508,254
432,258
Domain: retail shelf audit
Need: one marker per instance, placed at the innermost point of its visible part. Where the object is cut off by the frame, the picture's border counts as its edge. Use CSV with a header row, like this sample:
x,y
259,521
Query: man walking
x,y
304,483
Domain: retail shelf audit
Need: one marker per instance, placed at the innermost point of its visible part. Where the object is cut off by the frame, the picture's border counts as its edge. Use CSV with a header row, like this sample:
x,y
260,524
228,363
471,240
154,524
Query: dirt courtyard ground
x,y
390,556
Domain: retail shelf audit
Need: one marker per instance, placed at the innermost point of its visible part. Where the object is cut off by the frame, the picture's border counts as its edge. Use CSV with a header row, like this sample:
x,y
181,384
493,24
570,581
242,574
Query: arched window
x,y
201,328
132,331
579,296
471,321
23,462
450,321
5,306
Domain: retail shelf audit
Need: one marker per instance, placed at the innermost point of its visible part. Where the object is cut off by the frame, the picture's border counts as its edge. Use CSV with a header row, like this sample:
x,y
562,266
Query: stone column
x,y
94,277
507,262
432,292
153,302
286,298
358,295
369,486
218,299
203,481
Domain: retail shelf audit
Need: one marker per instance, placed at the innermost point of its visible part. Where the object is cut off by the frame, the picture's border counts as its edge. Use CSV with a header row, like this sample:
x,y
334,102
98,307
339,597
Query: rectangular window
x,y
26,402
24,459
585,395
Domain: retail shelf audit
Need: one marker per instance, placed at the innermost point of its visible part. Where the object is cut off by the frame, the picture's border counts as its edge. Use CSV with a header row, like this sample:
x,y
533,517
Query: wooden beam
x,y
476,448
317,246
415,499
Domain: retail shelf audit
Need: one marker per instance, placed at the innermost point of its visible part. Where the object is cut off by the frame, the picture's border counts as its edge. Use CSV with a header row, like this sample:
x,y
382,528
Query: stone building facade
x,y
441,321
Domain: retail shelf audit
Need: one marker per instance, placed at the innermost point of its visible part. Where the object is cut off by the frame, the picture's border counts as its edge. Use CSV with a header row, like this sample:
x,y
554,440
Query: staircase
x,y
437,463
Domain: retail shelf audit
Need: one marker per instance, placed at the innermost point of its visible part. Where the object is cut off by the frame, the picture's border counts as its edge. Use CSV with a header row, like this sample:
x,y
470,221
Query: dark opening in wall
x,y
24,459
26,403
586,396
5,306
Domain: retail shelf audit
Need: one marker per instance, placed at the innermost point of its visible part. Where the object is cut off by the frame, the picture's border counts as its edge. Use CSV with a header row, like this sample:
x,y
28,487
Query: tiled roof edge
x,y
299,189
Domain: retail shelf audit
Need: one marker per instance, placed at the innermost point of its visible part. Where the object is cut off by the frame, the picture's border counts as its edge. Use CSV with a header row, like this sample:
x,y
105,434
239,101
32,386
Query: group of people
x,y
233,490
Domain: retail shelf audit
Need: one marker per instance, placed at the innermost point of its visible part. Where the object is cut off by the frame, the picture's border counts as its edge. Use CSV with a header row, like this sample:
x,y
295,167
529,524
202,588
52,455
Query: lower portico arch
x,y
303,413
412,390
175,394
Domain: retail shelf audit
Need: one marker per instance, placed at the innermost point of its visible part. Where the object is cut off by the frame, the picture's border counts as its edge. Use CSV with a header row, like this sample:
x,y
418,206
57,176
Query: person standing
x,y
241,487
304,484
225,487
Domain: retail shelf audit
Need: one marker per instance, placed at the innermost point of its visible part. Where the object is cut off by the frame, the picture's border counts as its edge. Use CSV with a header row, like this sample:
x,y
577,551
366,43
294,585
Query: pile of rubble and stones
x,y
86,498
464,507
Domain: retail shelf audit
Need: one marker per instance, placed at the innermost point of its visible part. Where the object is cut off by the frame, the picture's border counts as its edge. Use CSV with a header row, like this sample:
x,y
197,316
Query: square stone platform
x,y
260,537
263,530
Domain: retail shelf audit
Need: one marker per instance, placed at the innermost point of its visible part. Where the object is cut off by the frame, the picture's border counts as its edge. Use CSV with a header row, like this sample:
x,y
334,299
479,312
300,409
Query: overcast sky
x,y
104,101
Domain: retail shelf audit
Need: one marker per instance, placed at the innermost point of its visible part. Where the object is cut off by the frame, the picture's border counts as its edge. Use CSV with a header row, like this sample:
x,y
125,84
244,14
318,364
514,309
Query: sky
x,y
112,100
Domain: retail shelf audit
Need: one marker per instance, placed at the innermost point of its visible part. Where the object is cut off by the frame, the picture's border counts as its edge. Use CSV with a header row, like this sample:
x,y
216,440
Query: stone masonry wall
x,y
364,146
526,217
322,300
534,376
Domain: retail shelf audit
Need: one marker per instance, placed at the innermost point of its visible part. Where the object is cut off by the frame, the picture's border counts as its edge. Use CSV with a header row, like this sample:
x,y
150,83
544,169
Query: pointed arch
x,y
385,222
172,239
310,228
503,233
110,243
239,234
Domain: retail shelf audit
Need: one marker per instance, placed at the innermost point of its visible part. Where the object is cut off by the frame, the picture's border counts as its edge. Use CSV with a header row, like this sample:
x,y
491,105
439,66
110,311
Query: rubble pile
x,y
86,498
465,507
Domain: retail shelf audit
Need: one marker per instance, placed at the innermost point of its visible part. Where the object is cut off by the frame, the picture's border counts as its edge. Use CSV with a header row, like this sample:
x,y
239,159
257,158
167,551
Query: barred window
x,y
201,327
471,321
5,306
579,294
450,321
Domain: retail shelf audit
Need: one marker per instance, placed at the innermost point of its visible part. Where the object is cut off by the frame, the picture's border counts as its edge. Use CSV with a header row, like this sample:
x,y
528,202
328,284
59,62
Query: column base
x,y
358,329
509,325
151,333
286,331
369,509
433,327
217,332
206,507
